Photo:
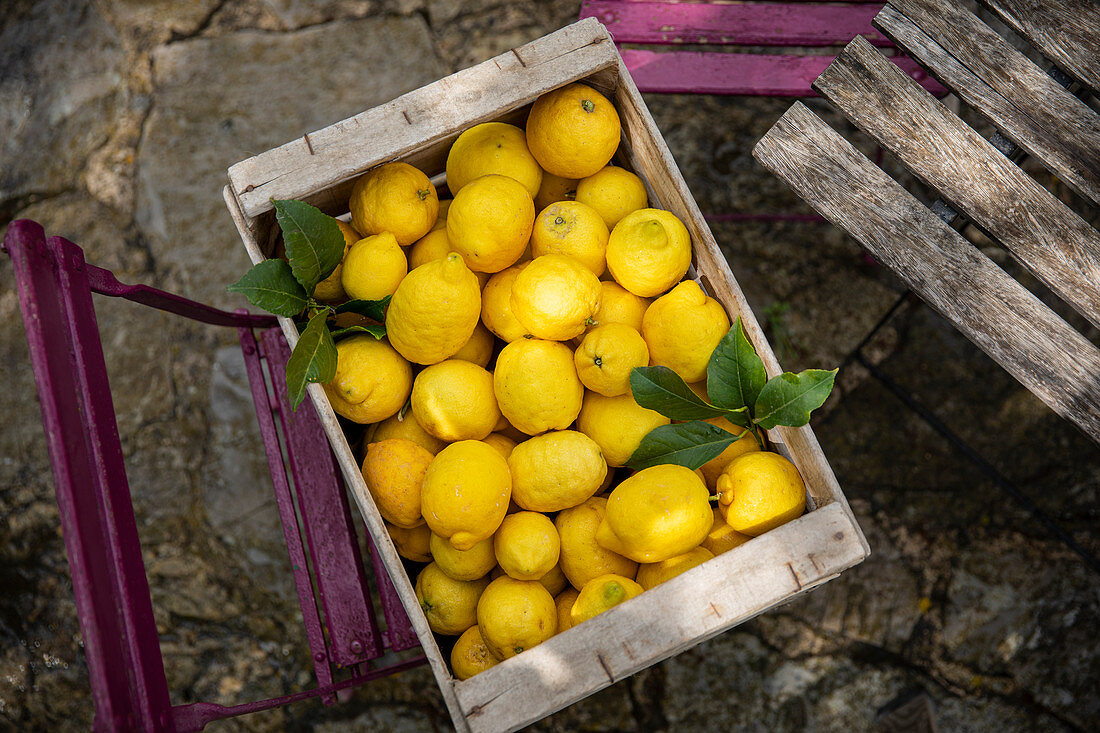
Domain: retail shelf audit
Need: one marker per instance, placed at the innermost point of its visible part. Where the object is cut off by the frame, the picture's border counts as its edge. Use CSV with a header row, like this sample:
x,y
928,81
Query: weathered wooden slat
x,y
763,24
415,120
771,75
1066,31
994,311
962,35
1040,231
1029,122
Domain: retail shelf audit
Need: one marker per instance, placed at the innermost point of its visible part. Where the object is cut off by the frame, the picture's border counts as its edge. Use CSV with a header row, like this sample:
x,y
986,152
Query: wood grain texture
x,y
420,118
661,622
994,311
1066,31
1039,230
1029,121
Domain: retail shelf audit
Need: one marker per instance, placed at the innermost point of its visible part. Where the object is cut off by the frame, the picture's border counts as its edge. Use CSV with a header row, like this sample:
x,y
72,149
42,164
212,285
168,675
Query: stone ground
x,y
118,119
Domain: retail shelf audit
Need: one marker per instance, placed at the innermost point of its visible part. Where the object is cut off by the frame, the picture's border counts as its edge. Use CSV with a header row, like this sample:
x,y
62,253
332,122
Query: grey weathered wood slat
x,y
1066,31
1038,229
990,308
1076,160
963,36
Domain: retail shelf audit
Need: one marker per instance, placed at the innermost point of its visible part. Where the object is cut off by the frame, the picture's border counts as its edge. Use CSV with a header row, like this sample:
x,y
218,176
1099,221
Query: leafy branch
x,y
738,389
314,248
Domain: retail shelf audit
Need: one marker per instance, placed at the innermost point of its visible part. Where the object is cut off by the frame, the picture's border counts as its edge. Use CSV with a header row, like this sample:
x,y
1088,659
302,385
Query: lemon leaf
x,y
689,444
374,329
271,285
372,309
313,359
313,240
790,398
735,373
661,389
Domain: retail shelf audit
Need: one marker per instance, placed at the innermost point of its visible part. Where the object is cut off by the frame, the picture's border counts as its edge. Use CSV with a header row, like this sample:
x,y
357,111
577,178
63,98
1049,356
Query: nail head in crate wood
x,y
418,128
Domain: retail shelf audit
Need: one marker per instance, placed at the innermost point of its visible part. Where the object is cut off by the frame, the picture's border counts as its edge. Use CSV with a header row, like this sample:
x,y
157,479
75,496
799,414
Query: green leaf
x,y
376,330
661,389
790,398
313,359
372,309
735,374
313,240
689,444
271,285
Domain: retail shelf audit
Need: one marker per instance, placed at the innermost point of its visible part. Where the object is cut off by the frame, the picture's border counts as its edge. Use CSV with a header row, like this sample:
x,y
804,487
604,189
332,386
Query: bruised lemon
x,y
536,385
434,311
573,131
759,491
394,471
470,655
606,357
515,615
613,192
571,228
556,470
555,297
465,493
648,252
653,574
682,329
602,593
450,605
394,198
490,222
492,147
372,380
656,514
374,267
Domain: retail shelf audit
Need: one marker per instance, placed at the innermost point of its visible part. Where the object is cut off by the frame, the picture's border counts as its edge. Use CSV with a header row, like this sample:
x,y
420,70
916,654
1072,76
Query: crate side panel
x,y
663,621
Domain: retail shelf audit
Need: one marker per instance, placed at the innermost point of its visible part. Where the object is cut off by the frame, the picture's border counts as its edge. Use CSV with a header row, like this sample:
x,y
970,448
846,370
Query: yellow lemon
x,y
463,564
441,219
526,545
453,400
465,493
434,311
449,604
573,131
617,424
496,305
613,192
490,222
411,544
648,252
571,228
394,198
713,468
582,559
602,593
657,513
536,385
406,426
432,246
555,297
554,579
515,615
654,573
759,491
470,655
556,470
330,290
722,537
374,267
682,328
492,147
564,602
606,357
555,188
372,380
479,349
394,471
619,305
503,444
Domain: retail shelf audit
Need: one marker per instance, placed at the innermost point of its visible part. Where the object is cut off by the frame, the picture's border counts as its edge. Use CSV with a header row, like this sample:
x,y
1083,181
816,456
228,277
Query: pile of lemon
x,y
518,310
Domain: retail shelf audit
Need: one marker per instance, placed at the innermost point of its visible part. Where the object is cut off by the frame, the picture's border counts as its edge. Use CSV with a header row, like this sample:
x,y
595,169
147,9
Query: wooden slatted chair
x,y
976,179
125,667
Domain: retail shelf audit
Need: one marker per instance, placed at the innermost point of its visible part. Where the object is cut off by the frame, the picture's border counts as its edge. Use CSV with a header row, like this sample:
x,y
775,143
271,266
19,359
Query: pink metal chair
x,y
125,666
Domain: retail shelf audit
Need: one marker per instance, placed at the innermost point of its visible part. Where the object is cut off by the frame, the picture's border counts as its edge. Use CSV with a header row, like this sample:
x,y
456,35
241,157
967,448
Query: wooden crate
x,y
419,128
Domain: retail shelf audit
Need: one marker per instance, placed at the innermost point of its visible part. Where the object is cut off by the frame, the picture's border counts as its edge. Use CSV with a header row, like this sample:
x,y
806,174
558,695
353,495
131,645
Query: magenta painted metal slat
x,y
772,75
756,24
326,517
125,668
398,627
311,619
